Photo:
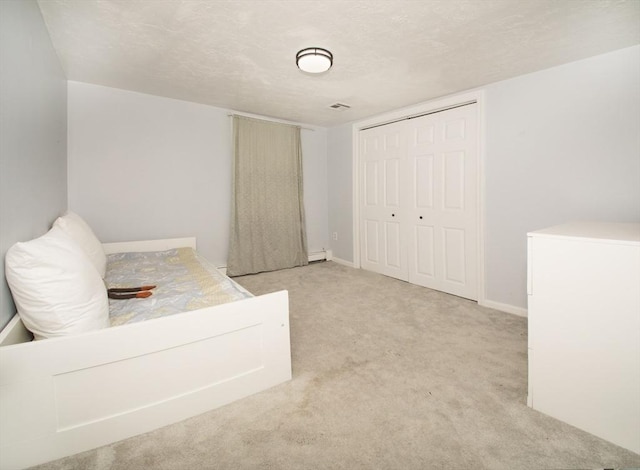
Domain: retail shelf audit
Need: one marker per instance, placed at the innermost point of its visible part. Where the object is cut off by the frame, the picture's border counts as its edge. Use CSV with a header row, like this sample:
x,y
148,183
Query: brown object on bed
x,y
134,295
119,290
141,292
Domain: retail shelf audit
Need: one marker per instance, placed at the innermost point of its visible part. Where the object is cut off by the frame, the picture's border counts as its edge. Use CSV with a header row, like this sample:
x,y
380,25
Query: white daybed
x,y
65,395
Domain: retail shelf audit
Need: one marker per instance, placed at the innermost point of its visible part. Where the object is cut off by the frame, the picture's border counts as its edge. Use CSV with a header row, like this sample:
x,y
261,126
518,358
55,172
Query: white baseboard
x,y
521,312
343,262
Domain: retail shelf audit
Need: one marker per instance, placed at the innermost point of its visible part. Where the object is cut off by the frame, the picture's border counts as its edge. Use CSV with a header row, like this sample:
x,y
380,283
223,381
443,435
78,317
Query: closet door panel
x,y
453,179
425,251
371,184
371,243
460,213
454,261
393,249
383,173
392,183
443,195
393,154
423,181
455,127
371,199
423,196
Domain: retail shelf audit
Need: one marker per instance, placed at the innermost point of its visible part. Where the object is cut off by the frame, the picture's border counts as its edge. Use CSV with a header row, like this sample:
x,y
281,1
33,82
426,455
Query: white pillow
x,y
81,233
56,289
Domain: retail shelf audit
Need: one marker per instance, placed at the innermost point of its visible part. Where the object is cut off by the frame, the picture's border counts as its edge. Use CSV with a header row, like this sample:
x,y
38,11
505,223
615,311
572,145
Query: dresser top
x,y
605,231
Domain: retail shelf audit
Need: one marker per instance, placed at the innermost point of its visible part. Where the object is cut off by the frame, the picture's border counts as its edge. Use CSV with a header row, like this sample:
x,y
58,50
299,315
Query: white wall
x,y
33,128
314,167
340,194
561,144
143,166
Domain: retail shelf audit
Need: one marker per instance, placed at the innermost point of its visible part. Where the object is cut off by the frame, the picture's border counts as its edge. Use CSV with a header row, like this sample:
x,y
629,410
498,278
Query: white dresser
x,y
584,328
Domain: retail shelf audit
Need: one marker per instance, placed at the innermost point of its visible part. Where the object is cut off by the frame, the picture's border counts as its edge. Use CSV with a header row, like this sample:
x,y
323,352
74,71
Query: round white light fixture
x,y
314,60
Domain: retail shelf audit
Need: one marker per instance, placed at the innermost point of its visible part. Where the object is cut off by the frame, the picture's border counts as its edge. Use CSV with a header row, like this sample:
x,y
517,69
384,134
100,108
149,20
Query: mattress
x,y
184,281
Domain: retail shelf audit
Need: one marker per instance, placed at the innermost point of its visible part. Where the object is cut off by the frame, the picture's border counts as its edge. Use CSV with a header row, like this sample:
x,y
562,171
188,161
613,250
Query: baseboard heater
x,y
324,255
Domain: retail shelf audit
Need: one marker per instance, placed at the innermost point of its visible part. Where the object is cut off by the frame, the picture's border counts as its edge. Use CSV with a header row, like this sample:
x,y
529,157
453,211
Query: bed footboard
x,y
66,395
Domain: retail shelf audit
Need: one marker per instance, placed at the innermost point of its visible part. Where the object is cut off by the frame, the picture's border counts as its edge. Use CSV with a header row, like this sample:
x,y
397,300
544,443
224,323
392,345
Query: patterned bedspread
x,y
184,279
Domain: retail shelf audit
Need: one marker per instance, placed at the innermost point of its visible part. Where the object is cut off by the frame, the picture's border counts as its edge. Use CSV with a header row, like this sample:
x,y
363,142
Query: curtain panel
x,y
267,214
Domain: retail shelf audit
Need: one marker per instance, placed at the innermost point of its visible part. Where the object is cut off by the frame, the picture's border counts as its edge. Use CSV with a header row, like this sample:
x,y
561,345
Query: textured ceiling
x,y
240,54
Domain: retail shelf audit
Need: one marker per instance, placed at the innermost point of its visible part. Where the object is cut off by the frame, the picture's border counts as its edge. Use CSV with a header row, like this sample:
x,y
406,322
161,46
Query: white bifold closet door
x,y
418,201
383,161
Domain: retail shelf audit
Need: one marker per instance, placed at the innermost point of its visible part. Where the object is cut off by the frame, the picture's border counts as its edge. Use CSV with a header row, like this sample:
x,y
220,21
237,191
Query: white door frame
x,y
439,104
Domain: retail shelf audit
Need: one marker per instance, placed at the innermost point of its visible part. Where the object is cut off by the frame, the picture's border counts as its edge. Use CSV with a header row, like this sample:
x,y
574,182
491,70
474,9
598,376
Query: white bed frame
x,y
67,395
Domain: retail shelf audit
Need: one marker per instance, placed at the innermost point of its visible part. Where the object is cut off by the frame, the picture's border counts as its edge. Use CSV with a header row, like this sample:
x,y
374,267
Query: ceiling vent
x,y
340,106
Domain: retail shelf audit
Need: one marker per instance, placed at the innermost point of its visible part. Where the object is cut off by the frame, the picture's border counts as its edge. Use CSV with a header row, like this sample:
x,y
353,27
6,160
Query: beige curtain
x,y
267,212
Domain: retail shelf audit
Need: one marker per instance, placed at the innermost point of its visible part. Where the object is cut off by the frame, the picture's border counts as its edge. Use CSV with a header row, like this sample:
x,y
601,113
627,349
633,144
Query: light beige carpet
x,y
386,375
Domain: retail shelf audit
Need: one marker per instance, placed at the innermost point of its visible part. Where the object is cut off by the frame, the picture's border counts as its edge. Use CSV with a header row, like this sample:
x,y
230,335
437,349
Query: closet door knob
x,y
420,217
393,215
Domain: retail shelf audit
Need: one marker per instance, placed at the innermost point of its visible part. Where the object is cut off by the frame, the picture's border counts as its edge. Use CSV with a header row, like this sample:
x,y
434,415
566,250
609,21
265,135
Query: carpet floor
x,y
386,375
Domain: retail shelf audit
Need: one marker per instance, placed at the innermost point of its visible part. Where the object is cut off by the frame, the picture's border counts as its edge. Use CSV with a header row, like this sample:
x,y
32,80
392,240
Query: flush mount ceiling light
x,y
314,60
